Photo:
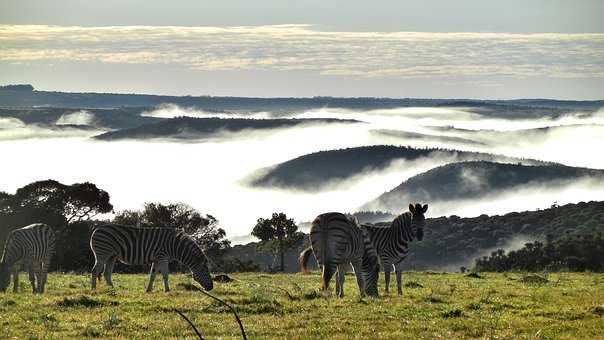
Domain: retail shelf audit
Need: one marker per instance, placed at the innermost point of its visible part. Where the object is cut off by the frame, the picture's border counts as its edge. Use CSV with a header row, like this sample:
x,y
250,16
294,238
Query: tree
x,y
203,228
63,207
277,234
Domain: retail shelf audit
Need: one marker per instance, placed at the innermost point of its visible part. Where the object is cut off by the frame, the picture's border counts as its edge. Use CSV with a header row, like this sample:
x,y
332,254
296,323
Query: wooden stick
x,y
243,335
190,323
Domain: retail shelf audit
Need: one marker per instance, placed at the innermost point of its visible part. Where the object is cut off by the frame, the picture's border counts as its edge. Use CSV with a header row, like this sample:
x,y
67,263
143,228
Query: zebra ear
x,y
425,208
411,208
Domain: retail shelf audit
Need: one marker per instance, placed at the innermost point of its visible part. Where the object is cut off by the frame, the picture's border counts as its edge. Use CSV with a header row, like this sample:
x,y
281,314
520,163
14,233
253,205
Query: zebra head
x,y
4,276
418,221
201,274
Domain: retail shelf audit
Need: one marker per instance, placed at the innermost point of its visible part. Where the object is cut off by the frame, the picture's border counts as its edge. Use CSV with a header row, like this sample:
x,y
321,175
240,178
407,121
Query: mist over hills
x,y
475,180
317,170
193,128
114,118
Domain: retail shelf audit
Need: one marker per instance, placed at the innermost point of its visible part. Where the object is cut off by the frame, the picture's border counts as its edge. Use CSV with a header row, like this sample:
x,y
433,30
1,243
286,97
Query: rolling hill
x,y
199,128
475,179
450,242
317,170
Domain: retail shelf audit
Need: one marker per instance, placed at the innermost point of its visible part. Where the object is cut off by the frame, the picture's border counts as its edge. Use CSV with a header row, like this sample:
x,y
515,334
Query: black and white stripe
x,y
136,246
392,242
33,246
337,240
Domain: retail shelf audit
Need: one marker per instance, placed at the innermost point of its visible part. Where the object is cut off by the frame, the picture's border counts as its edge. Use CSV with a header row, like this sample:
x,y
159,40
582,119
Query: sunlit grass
x,y
434,305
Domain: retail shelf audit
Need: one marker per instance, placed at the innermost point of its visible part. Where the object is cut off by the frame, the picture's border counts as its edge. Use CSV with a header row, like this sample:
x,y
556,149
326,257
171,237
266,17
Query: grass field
x,y
434,305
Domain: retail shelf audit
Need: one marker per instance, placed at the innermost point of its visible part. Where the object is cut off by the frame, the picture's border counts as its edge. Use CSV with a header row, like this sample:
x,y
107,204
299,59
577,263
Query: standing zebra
x,y
392,242
34,246
136,246
337,240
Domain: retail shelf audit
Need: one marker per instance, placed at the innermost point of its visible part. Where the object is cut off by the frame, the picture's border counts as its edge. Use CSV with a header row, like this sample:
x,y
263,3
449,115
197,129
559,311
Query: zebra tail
x,y
303,259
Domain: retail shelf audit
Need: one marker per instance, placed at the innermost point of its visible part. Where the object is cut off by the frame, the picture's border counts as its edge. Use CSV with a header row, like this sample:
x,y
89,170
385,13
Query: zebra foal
x,y
33,246
392,242
337,240
137,246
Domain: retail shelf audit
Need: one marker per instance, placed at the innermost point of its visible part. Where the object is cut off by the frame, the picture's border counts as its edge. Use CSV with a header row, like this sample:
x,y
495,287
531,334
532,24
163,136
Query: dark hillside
x,y
312,171
451,242
474,180
189,127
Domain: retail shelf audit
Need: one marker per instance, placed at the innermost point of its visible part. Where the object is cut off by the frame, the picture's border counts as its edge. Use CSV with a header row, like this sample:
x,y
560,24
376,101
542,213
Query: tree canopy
x,y
277,234
203,228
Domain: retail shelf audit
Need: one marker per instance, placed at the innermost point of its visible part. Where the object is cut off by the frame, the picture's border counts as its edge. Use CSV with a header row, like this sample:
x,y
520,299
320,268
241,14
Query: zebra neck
x,y
11,256
185,251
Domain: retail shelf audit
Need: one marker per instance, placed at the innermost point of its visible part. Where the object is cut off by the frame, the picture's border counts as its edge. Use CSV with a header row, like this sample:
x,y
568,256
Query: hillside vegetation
x,y
320,169
452,242
189,127
476,179
434,305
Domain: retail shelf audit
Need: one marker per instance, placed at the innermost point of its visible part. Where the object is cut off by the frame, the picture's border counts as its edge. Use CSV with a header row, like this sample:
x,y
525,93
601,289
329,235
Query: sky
x,y
271,48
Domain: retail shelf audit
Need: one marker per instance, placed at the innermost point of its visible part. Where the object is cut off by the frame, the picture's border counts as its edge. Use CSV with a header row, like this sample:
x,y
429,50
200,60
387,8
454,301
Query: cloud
x,y
81,117
303,47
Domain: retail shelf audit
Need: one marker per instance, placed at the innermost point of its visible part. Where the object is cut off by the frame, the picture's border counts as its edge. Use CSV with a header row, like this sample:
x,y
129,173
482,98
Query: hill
x,y
451,242
319,169
192,128
475,179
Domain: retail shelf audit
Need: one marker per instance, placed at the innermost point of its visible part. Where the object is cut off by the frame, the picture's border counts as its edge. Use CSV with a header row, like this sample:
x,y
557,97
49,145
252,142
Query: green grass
x,y
434,305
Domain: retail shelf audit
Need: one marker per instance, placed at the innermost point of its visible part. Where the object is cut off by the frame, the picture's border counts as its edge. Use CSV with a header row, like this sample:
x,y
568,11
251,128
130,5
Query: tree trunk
x,y
282,254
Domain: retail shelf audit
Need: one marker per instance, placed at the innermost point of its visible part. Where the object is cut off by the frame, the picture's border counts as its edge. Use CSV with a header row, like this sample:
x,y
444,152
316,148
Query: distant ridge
x,y
317,170
14,97
192,128
474,180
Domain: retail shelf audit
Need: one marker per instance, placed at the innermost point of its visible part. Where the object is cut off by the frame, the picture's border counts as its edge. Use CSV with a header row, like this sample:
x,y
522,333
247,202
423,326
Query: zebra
x,y
34,246
392,242
337,240
136,246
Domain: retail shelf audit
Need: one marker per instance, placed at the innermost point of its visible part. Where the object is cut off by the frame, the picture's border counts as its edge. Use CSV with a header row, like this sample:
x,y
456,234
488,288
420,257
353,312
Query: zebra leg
x,y
387,278
165,270
357,266
37,269
152,274
16,279
32,271
109,271
399,281
340,281
43,278
96,272
328,271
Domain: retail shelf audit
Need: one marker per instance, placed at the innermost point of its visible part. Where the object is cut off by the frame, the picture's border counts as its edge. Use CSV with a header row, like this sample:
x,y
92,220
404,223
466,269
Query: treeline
x,y
575,253
450,242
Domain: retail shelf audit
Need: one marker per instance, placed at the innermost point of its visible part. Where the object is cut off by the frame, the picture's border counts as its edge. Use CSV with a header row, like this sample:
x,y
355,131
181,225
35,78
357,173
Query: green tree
x,y
203,228
277,234
63,207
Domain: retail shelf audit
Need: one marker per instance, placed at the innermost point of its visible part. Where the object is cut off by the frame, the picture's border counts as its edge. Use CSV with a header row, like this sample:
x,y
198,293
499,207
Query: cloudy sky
x,y
434,48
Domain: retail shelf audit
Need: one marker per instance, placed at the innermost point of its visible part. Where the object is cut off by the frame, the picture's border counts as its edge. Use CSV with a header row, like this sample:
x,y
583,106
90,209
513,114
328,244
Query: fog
x,y
211,174
81,117
13,129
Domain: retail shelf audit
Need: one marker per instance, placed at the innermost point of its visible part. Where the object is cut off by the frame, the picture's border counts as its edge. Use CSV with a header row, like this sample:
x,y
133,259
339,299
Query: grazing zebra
x,y
392,242
337,240
33,246
136,246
